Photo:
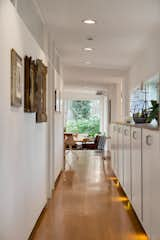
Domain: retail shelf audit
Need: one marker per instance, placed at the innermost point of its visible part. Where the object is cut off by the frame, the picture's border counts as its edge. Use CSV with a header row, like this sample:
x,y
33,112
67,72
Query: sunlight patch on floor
x,y
138,236
119,199
112,178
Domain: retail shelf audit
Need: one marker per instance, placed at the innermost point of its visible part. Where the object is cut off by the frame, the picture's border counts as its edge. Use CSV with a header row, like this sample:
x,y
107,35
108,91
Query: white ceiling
x,y
93,78
119,35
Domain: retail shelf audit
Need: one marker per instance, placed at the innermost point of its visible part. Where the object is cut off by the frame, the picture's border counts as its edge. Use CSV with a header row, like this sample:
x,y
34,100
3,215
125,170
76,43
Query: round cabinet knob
x,y
149,140
135,135
126,132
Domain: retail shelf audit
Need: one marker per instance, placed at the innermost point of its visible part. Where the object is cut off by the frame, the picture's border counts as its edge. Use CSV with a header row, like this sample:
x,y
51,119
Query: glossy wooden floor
x,y
88,205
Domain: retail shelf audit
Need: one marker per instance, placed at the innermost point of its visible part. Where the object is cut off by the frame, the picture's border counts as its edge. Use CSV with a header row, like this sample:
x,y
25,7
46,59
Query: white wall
x,y
23,143
104,115
76,94
147,63
31,17
114,96
125,97
58,130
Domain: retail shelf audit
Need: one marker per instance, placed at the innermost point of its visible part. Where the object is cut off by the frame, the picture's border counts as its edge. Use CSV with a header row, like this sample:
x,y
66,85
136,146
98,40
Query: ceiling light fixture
x,y
88,49
90,38
101,93
89,21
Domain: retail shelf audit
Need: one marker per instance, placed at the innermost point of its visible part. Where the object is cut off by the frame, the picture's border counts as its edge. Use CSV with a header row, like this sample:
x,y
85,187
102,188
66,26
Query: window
x,y
82,116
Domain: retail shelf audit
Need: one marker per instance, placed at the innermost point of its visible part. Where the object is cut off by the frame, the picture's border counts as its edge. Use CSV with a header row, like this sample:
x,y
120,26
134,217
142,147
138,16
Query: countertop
x,y
145,125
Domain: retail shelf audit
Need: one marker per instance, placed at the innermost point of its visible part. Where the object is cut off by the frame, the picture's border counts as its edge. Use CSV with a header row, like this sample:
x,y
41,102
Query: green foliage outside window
x,y
81,109
90,126
84,121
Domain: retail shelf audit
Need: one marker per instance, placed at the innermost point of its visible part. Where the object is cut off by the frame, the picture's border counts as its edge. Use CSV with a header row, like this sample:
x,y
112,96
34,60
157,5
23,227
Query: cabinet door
x,y
147,151
113,142
136,161
155,181
127,161
120,154
116,166
151,178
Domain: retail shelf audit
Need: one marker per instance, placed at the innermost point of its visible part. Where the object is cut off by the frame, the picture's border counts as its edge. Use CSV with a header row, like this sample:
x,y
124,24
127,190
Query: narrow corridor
x,y
88,204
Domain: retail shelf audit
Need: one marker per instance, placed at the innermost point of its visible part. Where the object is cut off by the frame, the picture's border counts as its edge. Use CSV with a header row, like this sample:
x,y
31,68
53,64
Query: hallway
x,y
60,59
88,204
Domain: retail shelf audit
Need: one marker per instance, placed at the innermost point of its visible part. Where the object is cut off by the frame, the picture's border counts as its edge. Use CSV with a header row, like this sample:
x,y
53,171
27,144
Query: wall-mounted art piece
x,y
16,79
109,111
29,85
41,73
60,102
57,100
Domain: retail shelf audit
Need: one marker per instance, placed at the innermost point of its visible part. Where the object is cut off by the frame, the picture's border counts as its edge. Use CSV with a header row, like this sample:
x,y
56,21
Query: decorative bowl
x,y
139,119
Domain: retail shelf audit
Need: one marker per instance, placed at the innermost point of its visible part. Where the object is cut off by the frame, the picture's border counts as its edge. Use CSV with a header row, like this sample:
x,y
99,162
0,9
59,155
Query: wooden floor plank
x,y
88,204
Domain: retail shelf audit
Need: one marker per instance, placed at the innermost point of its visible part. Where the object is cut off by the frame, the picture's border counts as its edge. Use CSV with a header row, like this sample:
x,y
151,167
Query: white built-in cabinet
x,y
113,145
127,161
136,169
151,181
120,154
136,163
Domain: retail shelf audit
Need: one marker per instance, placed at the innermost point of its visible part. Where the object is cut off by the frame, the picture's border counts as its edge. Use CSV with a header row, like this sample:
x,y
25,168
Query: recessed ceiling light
x,y
90,38
89,21
88,49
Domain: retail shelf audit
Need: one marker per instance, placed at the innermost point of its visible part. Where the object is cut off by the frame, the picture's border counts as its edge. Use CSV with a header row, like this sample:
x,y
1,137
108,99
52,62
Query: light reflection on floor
x,y
89,204
137,237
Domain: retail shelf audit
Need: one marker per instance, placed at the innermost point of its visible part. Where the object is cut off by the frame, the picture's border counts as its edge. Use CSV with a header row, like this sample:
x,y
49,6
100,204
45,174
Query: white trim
x,y
39,11
14,2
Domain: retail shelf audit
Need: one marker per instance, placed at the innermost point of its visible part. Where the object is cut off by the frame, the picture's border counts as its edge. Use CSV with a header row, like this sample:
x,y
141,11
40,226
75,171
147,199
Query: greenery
x,y
83,121
81,109
153,111
90,126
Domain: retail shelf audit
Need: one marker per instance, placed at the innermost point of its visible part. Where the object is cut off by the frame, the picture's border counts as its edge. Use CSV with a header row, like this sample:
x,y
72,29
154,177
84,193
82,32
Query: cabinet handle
x,y
149,140
126,132
134,134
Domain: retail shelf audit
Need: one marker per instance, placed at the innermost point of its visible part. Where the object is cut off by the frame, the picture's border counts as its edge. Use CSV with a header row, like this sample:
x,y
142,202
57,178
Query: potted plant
x,y
140,117
153,112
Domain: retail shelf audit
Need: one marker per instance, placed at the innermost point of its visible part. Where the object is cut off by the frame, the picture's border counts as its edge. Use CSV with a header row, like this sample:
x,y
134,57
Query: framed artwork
x,y
109,111
57,100
16,79
29,85
60,102
40,91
